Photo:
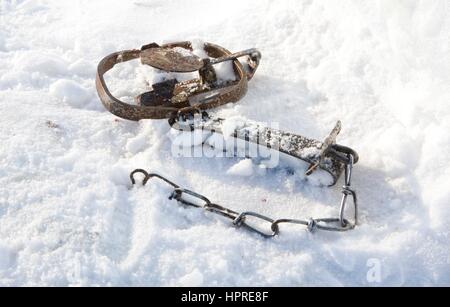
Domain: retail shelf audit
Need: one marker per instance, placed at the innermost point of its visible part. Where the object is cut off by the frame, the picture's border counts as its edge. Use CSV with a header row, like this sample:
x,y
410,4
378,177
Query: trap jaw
x,y
197,91
167,98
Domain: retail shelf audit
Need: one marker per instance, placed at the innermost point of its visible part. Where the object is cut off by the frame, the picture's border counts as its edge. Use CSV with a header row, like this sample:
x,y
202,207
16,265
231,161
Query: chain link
x,y
239,219
347,191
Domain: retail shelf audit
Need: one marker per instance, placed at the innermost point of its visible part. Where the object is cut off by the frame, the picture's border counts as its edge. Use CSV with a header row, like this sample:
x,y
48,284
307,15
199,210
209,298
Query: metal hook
x,y
148,176
139,170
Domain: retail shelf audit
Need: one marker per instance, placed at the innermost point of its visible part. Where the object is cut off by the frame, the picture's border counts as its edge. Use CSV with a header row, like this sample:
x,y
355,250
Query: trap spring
x,y
325,156
184,104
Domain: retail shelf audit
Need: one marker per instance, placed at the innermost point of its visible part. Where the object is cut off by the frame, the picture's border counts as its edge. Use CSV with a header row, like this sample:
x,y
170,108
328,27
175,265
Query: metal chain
x,y
239,219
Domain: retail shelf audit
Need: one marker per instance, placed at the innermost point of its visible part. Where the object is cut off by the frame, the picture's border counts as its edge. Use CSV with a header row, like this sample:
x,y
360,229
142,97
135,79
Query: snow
x,y
192,279
184,52
70,92
225,72
242,168
69,215
231,124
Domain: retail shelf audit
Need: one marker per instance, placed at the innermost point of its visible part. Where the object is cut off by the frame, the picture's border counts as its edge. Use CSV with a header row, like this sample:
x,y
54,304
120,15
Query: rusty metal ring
x,y
232,93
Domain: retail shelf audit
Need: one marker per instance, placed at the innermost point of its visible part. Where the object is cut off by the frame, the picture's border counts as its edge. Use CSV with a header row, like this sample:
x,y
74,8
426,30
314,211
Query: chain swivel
x,y
346,192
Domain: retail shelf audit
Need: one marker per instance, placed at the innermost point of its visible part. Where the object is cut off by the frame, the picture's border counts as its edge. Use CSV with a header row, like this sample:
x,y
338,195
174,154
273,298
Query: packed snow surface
x,y
69,215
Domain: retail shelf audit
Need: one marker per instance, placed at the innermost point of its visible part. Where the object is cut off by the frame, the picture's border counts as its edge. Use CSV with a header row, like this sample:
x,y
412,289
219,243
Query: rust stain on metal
x,y
168,59
168,97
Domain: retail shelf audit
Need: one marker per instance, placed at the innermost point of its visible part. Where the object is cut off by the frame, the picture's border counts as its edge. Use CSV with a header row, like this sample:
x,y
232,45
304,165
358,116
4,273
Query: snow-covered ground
x,y
68,215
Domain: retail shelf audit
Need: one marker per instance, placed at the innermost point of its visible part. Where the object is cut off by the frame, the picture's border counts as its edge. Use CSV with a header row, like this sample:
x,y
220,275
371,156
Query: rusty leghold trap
x,y
185,103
